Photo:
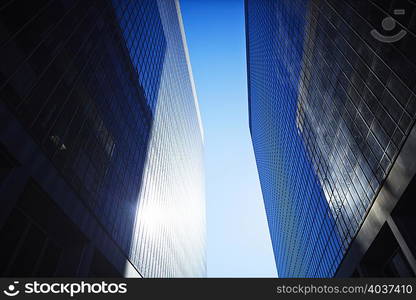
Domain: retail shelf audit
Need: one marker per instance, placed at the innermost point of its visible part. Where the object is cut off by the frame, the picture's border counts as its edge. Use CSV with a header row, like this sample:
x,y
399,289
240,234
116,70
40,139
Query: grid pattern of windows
x,y
64,72
347,99
169,233
84,78
145,41
33,246
356,104
301,226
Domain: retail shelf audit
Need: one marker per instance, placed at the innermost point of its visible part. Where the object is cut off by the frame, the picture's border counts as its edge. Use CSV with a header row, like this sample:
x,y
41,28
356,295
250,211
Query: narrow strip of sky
x,y
238,241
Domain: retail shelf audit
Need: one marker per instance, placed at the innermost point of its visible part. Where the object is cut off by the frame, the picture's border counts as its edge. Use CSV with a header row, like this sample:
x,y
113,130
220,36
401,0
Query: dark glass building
x,y
332,107
98,111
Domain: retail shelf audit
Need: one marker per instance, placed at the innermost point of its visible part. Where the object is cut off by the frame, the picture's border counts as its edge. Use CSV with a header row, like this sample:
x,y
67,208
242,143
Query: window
x,y
7,163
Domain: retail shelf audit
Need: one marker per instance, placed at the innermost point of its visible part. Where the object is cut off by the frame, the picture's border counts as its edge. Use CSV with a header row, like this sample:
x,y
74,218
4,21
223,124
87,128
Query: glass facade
x,y
169,232
345,98
105,90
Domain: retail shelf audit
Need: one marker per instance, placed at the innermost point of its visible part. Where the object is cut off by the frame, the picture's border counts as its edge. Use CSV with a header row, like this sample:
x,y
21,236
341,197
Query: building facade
x,y
101,141
331,95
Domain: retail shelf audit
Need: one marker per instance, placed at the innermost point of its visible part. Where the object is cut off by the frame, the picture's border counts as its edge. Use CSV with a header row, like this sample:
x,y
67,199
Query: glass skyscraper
x,y
100,141
332,106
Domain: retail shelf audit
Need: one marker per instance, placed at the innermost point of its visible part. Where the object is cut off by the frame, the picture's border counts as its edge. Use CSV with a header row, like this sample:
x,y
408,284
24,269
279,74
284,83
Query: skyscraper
x,y
332,107
101,141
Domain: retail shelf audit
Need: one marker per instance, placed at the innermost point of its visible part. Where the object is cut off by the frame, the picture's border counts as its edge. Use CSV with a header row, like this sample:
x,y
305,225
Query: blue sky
x,y
238,241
